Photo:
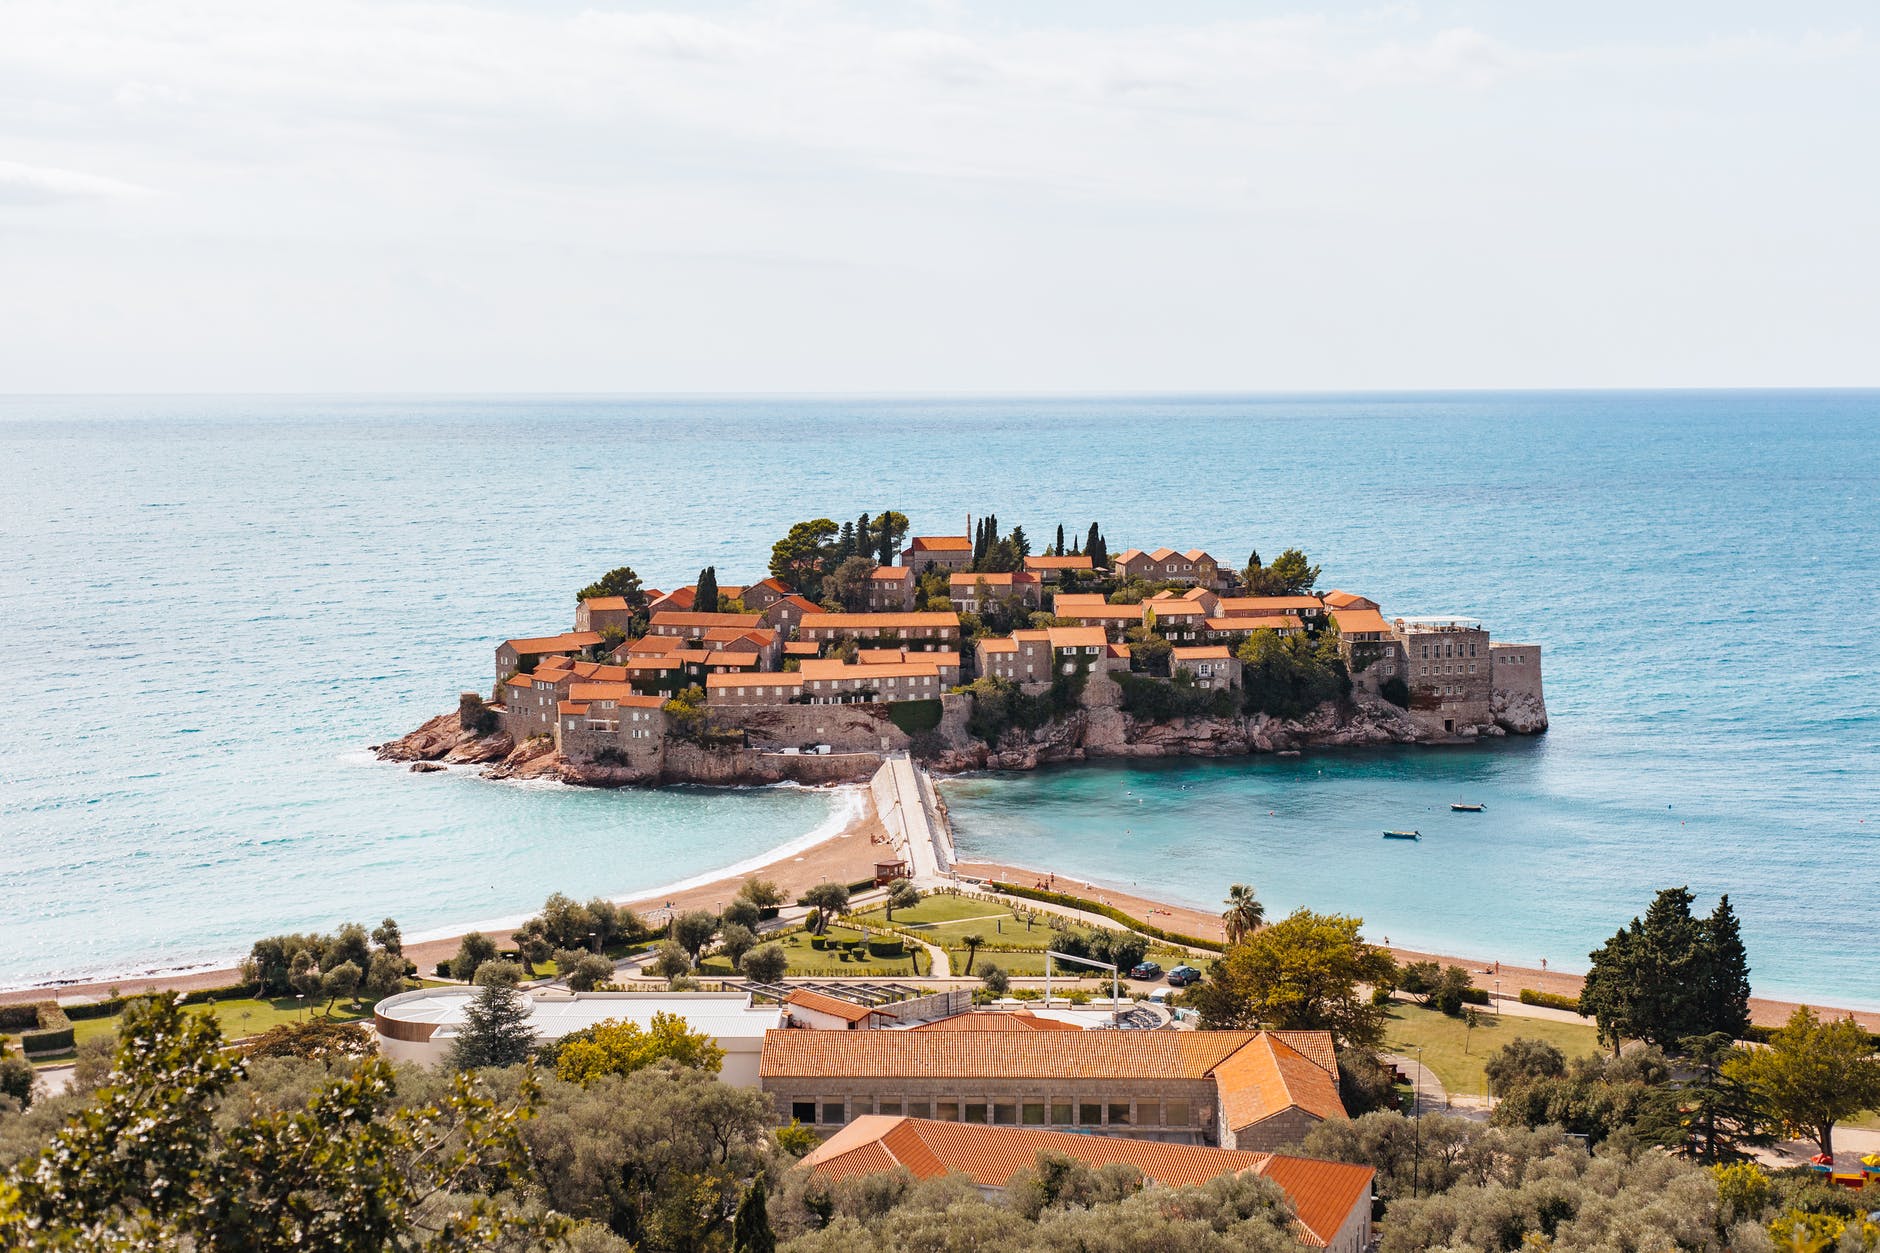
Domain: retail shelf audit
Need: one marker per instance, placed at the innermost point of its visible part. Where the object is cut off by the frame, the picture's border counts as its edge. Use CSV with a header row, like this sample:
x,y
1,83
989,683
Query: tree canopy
x,y
620,581
1670,976
1812,1075
1301,973
614,1047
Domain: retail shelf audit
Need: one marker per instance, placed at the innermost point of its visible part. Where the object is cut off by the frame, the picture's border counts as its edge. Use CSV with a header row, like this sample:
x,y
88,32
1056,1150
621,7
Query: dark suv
x,y
1147,970
1182,976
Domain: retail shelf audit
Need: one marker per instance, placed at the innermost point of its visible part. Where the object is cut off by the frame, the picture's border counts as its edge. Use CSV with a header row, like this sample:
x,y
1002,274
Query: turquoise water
x,y
212,605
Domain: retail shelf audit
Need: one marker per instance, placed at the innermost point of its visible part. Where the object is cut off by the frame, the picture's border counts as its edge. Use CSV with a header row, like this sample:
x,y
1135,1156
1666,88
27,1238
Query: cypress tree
x,y
495,1029
864,538
750,1228
1726,982
705,594
845,543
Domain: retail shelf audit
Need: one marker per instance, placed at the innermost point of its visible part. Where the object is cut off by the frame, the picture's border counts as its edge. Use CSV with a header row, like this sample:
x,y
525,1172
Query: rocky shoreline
x,y
1098,729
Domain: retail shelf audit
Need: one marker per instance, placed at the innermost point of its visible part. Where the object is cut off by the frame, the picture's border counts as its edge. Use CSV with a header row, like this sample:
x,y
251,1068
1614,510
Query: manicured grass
x,y
840,953
239,1018
943,908
1443,1041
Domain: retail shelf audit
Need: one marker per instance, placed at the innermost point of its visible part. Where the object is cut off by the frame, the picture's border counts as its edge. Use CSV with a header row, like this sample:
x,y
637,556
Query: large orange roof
x,y
1012,578
1064,599
1132,613
643,664
999,644
1336,599
1007,1054
556,643
892,574
673,618
1079,562
1323,1194
1076,637
1357,621
1205,652
940,543
1235,606
654,645
605,602
997,1020
832,1005
876,621
802,648
619,693
1267,1077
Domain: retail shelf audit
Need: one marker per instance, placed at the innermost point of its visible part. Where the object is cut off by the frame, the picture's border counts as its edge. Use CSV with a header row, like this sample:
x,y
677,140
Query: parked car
x,y
1147,970
1182,976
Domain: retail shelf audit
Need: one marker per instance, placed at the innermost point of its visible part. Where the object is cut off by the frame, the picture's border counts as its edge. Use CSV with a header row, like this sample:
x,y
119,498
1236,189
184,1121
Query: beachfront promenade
x,y
910,810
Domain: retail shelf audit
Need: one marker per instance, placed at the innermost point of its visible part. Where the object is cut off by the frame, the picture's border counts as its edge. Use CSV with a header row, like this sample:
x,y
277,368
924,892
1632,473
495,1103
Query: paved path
x,y
907,811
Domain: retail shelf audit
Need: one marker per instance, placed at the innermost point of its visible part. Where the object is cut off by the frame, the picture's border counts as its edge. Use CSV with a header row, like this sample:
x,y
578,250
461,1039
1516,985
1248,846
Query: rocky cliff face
x,y
1520,713
443,740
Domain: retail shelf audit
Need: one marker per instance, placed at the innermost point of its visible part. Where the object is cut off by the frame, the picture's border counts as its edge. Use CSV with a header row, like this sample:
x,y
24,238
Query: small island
x,y
971,652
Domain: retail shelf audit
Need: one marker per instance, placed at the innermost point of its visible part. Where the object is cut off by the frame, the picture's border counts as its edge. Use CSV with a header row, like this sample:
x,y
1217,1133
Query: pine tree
x,y
864,538
845,543
1057,549
705,593
1726,981
495,1029
1021,544
750,1228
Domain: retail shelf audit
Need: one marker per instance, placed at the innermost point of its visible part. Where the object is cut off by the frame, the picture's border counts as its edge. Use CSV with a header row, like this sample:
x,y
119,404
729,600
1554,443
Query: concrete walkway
x,y
914,826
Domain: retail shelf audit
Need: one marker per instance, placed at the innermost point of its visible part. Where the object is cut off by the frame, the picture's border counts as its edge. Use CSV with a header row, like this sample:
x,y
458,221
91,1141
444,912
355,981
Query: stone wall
x,y
852,1096
1519,704
861,728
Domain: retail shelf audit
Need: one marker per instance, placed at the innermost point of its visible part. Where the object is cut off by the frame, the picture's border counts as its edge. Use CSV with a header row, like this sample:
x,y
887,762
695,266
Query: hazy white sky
x,y
237,195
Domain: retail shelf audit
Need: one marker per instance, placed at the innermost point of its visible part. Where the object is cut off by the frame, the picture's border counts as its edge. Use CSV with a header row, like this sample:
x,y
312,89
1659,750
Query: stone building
x,y
919,631
601,613
1447,667
1165,565
693,626
891,589
974,593
1052,569
1233,1089
514,655
942,552
1212,666
1021,657
610,721
755,688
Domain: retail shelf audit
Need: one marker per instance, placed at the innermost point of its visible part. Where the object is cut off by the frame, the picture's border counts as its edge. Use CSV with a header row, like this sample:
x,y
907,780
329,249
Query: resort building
x,y
514,655
827,681
1360,625
891,589
1178,621
821,1012
693,626
786,613
1081,649
763,594
754,688
1231,631
1331,1201
973,593
421,1026
1165,565
599,720
1211,666
1446,665
1052,569
1308,608
1113,620
1232,1089
1346,600
1021,657
603,613
921,631
942,552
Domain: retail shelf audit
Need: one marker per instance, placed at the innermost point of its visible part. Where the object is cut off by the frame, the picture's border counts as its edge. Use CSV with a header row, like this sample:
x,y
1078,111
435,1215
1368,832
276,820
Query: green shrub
x,y
21,1017
54,1034
1553,1000
1159,700
914,716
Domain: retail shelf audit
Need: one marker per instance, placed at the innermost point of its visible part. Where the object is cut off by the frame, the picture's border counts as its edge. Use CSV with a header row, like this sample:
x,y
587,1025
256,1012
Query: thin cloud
x,y
44,184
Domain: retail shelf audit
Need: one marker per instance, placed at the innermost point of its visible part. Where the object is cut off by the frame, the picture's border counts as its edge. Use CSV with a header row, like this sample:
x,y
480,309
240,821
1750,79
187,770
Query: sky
x,y
252,196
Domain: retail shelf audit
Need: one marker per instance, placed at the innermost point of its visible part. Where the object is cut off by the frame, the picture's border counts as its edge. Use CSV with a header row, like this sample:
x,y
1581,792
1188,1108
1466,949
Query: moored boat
x,y
1467,807
1403,835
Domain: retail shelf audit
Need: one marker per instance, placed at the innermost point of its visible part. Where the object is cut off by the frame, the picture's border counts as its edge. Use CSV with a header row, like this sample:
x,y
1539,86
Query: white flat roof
x,y
554,1014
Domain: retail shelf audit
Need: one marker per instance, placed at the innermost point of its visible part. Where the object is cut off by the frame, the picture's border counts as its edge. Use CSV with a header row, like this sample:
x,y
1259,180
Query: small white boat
x,y
1467,807
1403,835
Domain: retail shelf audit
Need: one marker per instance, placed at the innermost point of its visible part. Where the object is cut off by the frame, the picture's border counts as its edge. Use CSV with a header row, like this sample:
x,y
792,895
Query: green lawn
x,y
944,908
239,1018
841,952
1444,1043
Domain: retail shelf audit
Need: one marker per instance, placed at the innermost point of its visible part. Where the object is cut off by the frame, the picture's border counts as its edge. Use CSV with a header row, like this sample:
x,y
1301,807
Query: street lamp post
x,y
1416,1118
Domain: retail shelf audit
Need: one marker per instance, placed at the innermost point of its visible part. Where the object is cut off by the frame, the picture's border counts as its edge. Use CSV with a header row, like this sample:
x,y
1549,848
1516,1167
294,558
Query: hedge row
x,y
1551,1000
54,1034
1475,996
1111,912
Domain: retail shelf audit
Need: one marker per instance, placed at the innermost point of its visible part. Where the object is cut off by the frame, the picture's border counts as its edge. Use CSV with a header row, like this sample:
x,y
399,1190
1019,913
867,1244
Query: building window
x,y
1089,1114
975,1111
803,1112
1005,1115
888,1107
1177,1114
920,1109
946,1111
1060,1113
1119,1114
832,1112
1032,1113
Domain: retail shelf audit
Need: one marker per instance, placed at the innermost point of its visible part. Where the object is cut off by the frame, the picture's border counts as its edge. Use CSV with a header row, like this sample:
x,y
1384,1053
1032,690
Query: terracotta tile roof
x,y
571,707
641,665
1076,637
1268,1077
880,656
1336,599
1323,1193
730,633
1078,562
676,619
834,1006
654,645
1238,606
772,584
1170,609
876,621
1198,554
1015,578
891,574
940,543
1206,652
522,680
751,678
800,602
1032,637
605,602
831,669
1120,650
1258,622
997,1020
1163,554
999,644
990,1156
1358,621
802,648
1106,613
1315,1046
619,693
721,657
679,598
1006,1054
557,662
1128,557
569,642
1065,599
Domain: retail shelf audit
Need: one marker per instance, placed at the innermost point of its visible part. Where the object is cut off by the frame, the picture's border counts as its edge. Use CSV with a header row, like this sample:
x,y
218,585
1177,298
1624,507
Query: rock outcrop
x,y
1519,713
443,739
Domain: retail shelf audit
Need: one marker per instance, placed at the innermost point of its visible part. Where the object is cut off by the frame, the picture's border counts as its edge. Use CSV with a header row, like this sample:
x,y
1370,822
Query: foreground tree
x,y
158,1158
614,1047
750,1229
1244,913
1299,974
1812,1075
495,1030
1670,976
705,591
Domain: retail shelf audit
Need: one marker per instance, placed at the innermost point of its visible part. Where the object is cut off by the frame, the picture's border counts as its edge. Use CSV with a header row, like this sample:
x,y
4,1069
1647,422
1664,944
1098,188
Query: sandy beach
x,y
1763,1011
844,857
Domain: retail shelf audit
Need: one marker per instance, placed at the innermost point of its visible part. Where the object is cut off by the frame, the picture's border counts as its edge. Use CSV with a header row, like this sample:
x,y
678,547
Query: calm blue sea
x,y
212,605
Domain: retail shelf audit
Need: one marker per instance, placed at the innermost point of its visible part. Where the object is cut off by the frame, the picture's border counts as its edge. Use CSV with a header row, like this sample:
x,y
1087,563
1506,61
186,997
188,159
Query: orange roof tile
x,y
1323,1193
831,1005
940,543
556,662
1336,599
876,621
568,642
802,648
676,619
1206,652
641,665
1237,606
1359,621
1076,637
1268,1077
1257,622
997,1020
1009,1054
1064,599
605,602
999,644
752,678
571,707
619,693
891,574
1079,562
654,645
880,656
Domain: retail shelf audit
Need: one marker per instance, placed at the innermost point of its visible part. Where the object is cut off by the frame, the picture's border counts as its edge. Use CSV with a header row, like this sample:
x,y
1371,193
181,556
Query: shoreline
x,y
1764,1011
813,858
816,856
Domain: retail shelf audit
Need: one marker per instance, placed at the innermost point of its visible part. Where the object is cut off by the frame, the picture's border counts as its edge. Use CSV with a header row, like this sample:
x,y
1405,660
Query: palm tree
x,y
1244,913
972,941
